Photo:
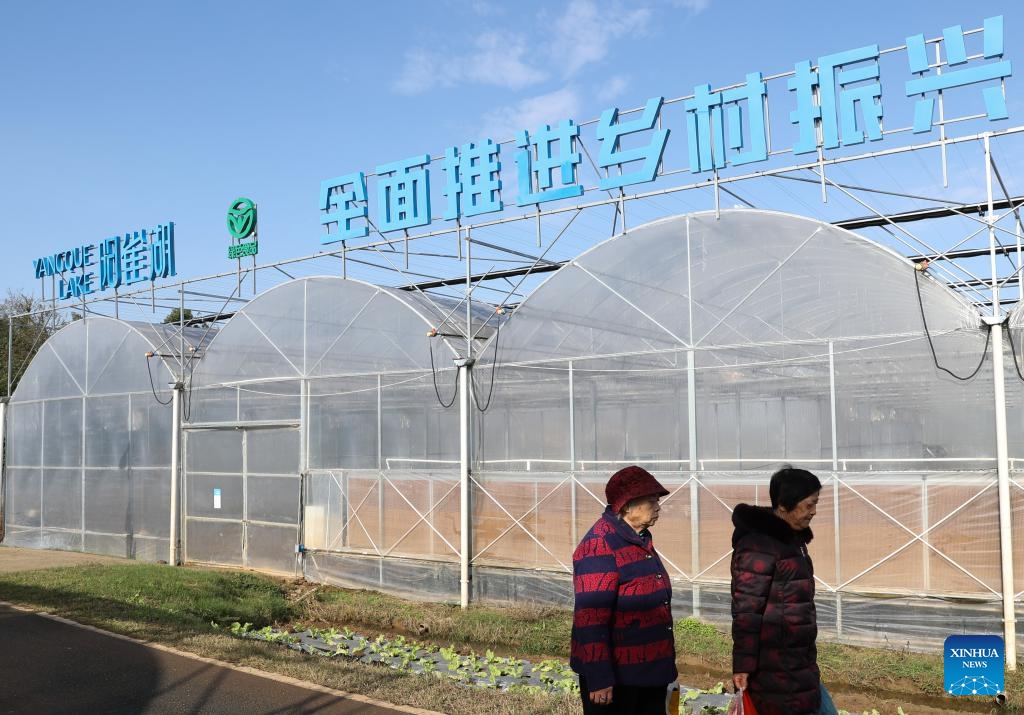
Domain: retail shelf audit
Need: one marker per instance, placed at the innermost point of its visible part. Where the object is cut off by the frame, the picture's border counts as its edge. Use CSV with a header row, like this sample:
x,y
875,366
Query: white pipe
x,y
465,434
172,557
300,565
573,507
464,472
1002,453
691,411
834,418
1005,513
833,409
4,401
691,408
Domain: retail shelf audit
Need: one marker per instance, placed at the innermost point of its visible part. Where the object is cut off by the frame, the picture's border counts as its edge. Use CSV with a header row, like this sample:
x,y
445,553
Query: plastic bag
x,y
741,704
736,705
672,698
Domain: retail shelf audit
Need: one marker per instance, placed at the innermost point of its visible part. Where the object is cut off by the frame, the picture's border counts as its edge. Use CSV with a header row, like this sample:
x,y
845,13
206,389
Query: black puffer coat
x,y
774,622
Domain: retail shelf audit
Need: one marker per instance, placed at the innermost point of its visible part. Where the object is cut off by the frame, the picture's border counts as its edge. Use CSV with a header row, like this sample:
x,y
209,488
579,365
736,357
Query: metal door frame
x,y
245,428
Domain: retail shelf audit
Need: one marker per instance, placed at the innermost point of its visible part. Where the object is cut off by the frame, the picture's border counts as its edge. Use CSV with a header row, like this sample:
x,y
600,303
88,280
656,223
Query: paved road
x,y
51,667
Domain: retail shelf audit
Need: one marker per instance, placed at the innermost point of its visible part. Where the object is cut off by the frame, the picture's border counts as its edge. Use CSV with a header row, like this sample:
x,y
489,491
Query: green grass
x,y
161,597
179,606
526,630
703,642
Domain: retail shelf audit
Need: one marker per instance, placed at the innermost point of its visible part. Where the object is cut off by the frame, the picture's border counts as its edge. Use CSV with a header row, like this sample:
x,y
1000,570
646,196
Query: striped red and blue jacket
x,y
622,620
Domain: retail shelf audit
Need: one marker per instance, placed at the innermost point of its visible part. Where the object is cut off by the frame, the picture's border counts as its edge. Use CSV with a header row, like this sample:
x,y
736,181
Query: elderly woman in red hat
x,y
622,643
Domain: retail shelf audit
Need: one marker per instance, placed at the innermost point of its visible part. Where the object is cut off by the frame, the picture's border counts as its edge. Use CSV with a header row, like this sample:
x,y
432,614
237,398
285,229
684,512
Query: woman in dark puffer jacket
x,y
774,622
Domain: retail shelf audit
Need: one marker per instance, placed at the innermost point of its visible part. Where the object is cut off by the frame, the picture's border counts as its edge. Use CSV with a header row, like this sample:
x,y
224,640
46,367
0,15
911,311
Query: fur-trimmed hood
x,y
762,520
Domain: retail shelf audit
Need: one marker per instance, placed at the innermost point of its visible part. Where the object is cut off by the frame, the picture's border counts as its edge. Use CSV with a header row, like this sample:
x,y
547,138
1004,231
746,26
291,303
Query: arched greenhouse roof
x,y
1017,316
741,278
327,326
99,355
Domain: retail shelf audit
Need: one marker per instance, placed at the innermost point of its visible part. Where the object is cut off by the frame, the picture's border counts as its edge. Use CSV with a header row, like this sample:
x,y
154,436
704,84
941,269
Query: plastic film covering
x,y
1013,359
89,441
327,327
711,350
420,513
350,371
438,581
744,278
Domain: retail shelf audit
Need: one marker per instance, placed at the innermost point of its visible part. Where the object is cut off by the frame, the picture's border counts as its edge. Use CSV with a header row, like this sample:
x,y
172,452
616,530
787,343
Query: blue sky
x,y
122,115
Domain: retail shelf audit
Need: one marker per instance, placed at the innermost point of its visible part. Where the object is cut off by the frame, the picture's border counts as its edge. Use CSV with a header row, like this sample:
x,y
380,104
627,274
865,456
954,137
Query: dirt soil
x,y
13,558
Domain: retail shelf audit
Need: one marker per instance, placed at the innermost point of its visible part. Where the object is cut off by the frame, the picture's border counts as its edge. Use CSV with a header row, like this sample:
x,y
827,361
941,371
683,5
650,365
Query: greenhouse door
x,y
242,496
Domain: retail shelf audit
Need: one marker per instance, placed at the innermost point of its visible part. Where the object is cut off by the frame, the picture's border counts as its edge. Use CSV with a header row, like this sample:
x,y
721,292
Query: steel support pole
x,y
925,540
4,402
173,557
381,549
300,560
1005,507
836,494
465,542
1002,452
10,353
691,412
465,366
573,506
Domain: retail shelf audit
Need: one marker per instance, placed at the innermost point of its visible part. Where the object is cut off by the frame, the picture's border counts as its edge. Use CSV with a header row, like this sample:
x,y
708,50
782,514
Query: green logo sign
x,y
249,248
242,218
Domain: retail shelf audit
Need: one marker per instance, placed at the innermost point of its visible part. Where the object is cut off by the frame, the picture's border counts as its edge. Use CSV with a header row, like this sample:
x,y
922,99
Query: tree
x,y
175,316
25,324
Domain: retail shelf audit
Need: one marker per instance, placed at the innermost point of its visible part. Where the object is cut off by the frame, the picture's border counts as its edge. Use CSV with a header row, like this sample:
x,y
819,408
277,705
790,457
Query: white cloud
x,y
419,73
585,32
486,7
551,108
694,6
498,60
612,89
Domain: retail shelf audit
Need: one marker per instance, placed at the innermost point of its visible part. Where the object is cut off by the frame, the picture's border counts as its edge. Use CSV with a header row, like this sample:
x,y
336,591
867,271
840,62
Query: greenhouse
x,y
90,440
335,380
712,349
382,438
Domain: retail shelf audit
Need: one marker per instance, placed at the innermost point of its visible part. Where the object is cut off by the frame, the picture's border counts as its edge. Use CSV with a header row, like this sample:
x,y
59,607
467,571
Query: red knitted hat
x,y
631,483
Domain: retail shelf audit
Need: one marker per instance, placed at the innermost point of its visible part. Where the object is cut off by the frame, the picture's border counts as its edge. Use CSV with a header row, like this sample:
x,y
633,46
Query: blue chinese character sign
x,y
343,200
124,259
473,185
403,194
546,164
931,82
610,131
831,103
708,115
